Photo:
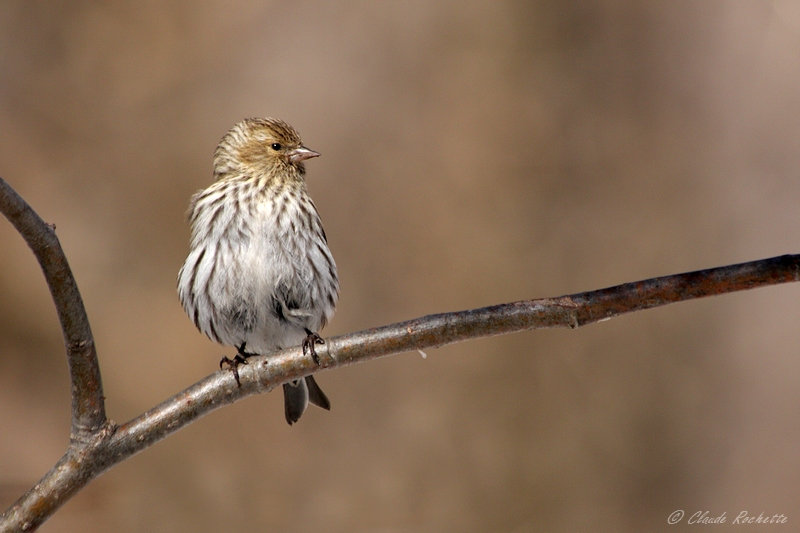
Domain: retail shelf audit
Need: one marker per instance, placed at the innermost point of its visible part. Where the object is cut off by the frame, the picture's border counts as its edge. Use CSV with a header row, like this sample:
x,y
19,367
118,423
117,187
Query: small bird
x,y
259,275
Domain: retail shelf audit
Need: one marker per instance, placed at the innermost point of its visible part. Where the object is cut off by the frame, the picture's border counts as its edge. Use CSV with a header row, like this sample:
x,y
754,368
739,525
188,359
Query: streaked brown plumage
x,y
259,275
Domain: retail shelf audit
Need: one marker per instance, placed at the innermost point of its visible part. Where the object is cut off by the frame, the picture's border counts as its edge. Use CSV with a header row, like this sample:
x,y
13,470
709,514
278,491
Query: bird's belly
x,y
249,303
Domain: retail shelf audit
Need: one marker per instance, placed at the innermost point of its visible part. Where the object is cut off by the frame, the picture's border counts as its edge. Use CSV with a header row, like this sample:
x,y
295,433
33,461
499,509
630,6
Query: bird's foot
x,y
233,364
309,342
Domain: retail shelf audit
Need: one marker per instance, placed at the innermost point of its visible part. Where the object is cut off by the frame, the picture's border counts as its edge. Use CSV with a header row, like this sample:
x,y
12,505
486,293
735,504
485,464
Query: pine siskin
x,y
259,275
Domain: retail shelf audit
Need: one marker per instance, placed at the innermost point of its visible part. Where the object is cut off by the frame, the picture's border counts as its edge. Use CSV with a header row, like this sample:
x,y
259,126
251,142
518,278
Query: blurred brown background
x,y
473,153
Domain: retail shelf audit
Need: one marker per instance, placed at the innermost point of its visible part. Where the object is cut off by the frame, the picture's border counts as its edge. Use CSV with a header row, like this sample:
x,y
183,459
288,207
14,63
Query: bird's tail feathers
x,y
297,395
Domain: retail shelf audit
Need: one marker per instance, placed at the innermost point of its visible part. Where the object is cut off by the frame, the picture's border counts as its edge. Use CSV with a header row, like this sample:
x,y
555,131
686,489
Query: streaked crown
x,y
258,146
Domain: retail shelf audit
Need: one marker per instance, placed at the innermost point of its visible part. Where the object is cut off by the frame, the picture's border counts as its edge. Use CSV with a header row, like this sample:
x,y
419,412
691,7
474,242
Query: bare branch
x,y
108,445
263,373
88,407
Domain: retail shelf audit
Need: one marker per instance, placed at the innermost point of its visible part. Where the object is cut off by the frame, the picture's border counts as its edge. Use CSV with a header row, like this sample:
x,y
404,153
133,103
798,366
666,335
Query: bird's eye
x,y
276,146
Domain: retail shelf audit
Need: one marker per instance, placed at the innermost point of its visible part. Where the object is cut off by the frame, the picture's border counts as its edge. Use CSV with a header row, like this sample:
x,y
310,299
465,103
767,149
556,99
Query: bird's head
x,y
261,147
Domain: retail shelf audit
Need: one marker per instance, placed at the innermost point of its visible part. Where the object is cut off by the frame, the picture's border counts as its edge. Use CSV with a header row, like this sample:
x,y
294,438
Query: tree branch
x,y
108,445
88,407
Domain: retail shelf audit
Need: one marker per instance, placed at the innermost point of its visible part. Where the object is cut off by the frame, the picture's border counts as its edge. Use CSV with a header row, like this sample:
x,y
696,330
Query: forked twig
x,y
97,444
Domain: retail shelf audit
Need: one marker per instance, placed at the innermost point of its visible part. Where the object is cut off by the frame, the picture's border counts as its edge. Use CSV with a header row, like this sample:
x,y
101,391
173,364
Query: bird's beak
x,y
301,154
